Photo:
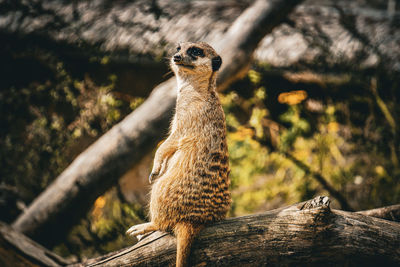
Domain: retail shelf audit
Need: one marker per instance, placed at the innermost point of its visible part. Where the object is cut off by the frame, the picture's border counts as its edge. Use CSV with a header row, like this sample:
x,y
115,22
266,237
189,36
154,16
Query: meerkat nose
x,y
177,58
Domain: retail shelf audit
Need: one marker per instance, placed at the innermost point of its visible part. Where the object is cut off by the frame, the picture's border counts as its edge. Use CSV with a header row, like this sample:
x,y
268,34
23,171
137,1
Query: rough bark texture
x,y
308,233
255,22
333,33
134,31
305,234
97,168
391,213
18,250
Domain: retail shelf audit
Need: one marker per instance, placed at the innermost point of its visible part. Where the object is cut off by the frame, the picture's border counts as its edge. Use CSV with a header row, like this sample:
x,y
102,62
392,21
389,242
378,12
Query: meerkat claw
x,y
151,176
130,230
140,229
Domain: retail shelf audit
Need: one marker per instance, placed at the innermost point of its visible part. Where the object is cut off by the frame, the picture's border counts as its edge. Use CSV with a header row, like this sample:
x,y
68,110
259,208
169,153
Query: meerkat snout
x,y
199,56
177,58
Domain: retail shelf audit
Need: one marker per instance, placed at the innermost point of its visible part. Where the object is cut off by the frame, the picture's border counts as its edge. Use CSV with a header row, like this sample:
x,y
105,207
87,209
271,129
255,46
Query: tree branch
x,y
316,32
391,213
19,251
305,234
308,233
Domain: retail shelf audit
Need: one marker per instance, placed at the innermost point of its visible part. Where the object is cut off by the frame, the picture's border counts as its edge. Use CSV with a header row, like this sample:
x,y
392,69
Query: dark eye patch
x,y
178,49
195,52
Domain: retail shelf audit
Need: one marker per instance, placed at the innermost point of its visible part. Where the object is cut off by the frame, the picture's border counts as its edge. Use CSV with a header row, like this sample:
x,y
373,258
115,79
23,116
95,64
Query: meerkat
x,y
190,174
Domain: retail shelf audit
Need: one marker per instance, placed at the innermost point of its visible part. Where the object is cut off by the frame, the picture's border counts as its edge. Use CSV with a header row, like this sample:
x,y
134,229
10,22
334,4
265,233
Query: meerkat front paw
x,y
140,229
158,170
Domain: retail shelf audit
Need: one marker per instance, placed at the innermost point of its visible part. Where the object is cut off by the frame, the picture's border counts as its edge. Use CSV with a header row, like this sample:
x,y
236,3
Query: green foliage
x,y
46,122
298,127
266,121
103,229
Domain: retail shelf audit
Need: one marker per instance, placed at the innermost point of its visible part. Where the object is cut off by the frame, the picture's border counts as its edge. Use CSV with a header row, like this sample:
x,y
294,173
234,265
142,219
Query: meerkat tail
x,y
185,234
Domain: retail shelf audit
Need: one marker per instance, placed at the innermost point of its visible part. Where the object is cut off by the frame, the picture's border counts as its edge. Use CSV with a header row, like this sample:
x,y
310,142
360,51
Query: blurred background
x,y
317,112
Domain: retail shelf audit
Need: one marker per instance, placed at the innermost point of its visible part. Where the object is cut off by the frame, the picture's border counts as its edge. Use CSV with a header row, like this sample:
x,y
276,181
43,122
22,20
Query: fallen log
x,y
102,164
17,250
309,233
391,213
330,32
305,234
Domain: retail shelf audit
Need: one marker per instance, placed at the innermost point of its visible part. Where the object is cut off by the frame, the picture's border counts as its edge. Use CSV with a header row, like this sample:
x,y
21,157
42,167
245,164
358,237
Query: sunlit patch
x,y
333,127
242,133
254,76
98,206
100,202
293,97
380,171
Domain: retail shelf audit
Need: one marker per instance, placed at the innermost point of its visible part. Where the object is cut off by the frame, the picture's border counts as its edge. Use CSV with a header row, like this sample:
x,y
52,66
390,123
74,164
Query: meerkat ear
x,y
216,63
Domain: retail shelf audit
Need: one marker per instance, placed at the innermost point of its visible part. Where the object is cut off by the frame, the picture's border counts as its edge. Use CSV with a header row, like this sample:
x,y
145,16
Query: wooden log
x,y
391,213
329,32
88,28
305,234
287,225
17,250
96,169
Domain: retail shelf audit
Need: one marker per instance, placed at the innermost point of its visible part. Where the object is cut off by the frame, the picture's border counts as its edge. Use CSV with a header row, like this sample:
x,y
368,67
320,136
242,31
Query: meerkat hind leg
x,y
140,229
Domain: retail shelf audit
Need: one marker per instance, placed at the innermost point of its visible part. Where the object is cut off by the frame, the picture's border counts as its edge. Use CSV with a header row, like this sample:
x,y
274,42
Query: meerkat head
x,y
195,59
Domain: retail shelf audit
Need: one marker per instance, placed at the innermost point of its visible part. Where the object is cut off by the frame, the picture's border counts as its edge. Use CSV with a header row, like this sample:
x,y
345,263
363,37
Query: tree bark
x,y
96,169
308,233
18,250
330,32
305,234
391,213
330,35
112,28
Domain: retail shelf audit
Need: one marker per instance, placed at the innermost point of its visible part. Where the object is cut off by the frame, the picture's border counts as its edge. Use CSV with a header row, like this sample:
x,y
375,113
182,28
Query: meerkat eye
x,y
195,51
178,49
